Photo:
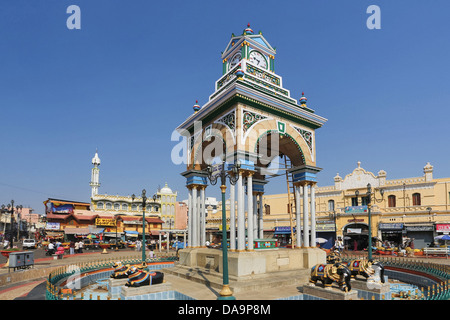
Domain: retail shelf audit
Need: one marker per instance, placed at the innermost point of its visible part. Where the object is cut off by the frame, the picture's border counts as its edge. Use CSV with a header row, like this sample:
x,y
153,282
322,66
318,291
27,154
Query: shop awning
x,y
81,231
283,230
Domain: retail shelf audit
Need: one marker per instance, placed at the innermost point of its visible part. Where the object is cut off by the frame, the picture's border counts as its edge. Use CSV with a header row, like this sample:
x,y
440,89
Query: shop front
x,y
356,236
421,236
283,235
326,230
391,234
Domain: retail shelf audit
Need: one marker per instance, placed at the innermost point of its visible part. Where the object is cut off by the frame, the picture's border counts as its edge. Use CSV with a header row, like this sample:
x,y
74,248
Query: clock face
x,y
258,59
235,60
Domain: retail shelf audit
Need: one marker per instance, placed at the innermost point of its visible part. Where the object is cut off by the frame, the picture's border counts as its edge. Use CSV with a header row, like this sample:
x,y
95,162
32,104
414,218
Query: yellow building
x,y
401,209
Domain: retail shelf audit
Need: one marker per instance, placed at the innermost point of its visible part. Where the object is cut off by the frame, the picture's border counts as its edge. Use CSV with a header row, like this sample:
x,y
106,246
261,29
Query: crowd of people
x,y
74,246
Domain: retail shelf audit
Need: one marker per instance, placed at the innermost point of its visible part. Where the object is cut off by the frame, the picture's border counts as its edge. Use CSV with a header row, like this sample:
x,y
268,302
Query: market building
x,y
415,208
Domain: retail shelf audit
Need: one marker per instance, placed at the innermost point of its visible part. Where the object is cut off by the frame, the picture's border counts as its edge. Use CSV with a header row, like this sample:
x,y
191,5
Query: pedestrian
x,y
138,245
81,246
72,247
77,247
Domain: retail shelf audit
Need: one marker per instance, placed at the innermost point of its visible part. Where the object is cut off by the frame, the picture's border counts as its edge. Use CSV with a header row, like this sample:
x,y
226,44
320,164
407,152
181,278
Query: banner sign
x,y
52,226
62,208
443,227
356,209
390,226
106,222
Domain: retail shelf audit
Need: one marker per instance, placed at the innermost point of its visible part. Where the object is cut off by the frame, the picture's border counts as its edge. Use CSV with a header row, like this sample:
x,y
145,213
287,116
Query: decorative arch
x,y
219,131
299,149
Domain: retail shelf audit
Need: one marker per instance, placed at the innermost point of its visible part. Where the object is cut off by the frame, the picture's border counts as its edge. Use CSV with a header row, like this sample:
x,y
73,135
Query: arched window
x,y
416,199
124,206
116,206
133,207
99,205
330,205
391,201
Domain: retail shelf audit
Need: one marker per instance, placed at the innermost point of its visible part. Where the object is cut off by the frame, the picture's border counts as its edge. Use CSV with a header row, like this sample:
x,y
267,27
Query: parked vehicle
x,y
89,244
29,244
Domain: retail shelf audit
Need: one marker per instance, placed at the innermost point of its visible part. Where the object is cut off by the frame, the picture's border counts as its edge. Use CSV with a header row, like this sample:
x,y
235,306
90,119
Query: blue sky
x,y
132,73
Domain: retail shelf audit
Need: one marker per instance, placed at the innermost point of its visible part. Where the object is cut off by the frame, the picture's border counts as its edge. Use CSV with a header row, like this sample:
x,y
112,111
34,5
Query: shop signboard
x,y
356,209
443,227
52,226
390,226
105,222
62,208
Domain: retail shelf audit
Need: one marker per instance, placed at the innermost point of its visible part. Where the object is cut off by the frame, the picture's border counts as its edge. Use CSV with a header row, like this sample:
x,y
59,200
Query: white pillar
x,y
190,210
298,219
255,216
240,214
232,218
199,222
194,217
203,218
305,216
250,211
313,216
261,219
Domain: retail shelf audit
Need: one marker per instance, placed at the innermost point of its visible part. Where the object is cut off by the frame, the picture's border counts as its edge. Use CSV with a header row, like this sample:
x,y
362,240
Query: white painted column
x,y
313,216
203,218
190,207
240,214
194,217
232,218
250,212
261,218
298,219
305,216
255,215
198,217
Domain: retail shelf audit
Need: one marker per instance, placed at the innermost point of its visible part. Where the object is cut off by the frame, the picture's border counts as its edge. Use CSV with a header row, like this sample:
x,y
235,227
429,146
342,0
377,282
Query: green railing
x,y
438,291
54,290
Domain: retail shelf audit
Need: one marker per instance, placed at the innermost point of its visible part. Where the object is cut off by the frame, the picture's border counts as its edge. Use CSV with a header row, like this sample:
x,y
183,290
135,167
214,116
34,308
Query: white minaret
x,y
95,175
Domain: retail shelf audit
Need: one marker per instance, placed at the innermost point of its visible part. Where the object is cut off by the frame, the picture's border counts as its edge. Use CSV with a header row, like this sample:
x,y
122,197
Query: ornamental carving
x,y
250,118
307,135
229,120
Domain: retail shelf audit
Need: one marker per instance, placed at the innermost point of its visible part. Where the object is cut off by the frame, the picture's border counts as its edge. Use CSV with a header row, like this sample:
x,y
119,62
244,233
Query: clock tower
x,y
252,119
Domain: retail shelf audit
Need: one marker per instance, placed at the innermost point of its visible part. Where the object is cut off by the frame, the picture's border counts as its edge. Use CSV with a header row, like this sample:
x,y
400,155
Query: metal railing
x,y
440,274
54,290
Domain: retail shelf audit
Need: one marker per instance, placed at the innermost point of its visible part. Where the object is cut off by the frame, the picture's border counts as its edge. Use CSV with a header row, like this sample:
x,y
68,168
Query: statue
x,y
334,257
122,271
367,268
329,273
138,278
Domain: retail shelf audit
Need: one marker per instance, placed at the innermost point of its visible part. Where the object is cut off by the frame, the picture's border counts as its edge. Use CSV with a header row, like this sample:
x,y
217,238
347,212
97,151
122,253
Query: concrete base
x,y
249,263
266,281
128,293
115,286
378,288
330,294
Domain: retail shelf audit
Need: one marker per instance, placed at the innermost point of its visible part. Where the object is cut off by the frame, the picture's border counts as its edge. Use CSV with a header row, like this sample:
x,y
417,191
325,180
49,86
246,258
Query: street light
x,y
10,210
369,205
144,199
225,293
333,216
